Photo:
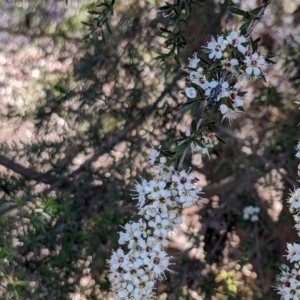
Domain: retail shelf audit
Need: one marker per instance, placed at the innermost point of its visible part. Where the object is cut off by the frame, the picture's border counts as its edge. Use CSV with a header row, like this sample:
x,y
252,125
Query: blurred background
x,y
80,105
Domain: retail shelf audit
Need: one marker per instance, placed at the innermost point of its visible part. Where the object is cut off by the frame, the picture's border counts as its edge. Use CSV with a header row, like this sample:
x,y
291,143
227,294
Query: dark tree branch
x,y
26,172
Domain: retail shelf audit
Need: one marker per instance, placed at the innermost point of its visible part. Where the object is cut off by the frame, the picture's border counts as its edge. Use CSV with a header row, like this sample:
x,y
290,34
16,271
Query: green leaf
x,y
263,77
210,128
242,93
192,105
214,65
237,11
161,56
93,12
181,148
229,103
164,30
199,143
194,126
221,140
255,11
244,27
182,134
203,59
168,153
270,61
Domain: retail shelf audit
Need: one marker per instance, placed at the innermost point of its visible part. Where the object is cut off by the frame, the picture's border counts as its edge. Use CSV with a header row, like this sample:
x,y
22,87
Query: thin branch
x,y
259,15
182,160
26,172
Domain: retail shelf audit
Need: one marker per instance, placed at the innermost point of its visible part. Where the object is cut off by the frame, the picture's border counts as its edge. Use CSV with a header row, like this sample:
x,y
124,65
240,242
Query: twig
x,y
259,15
182,160
258,254
185,151
26,172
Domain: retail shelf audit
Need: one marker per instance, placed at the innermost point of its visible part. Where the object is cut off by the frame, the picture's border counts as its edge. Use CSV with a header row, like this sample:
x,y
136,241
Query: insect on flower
x,y
213,97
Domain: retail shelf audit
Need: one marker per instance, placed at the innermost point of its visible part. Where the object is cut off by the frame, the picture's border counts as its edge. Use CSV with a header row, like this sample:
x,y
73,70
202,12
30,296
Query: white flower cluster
x,y
134,274
251,213
233,52
290,279
207,140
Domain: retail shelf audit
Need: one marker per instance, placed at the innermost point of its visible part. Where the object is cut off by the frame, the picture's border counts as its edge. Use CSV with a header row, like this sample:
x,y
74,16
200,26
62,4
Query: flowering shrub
x,y
290,279
212,86
133,274
82,142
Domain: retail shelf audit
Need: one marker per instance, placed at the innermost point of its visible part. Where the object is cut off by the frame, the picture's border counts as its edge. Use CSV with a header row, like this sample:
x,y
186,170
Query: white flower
x,y
245,50
141,193
191,92
188,133
251,213
193,62
154,153
254,63
193,75
164,171
144,289
227,113
159,225
157,189
229,64
118,259
215,47
189,197
235,100
184,180
298,146
235,40
293,252
294,200
158,262
133,230
254,218
201,81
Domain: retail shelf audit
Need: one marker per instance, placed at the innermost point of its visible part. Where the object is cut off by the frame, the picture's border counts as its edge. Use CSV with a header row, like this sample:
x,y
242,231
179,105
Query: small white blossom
x,y
254,63
251,213
294,200
193,62
229,64
236,41
184,180
235,99
154,153
191,92
215,47
293,252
